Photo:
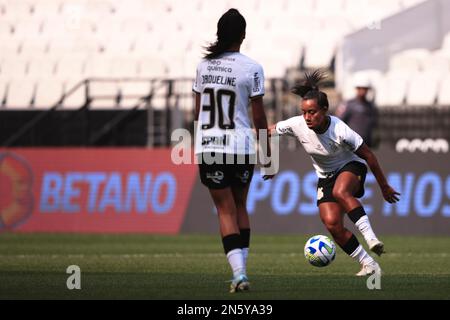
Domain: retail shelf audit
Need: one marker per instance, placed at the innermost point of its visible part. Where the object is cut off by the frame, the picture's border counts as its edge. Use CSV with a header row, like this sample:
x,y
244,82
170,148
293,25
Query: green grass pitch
x,y
33,266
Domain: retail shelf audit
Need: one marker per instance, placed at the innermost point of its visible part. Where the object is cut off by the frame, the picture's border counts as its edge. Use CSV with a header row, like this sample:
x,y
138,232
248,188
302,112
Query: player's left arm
x,y
389,194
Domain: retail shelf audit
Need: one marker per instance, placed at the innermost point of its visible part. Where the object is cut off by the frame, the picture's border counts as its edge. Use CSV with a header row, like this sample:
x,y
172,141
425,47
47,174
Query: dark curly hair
x,y
309,89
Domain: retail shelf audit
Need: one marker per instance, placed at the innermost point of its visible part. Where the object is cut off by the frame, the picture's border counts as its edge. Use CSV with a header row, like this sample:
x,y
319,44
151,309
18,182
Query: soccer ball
x,y
320,251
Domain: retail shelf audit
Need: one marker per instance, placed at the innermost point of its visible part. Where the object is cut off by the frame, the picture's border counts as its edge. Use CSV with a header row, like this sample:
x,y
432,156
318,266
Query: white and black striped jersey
x,y
226,85
329,151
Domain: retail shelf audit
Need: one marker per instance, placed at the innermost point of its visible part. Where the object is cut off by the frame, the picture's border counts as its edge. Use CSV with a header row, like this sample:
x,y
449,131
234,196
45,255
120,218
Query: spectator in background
x,y
359,113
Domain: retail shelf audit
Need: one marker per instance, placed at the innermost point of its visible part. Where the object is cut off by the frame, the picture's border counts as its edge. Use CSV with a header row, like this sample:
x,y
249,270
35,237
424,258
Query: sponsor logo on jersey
x,y
216,176
333,147
216,140
256,82
219,69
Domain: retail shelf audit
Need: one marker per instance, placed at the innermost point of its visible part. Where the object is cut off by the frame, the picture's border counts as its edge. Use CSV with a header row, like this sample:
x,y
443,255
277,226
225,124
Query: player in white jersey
x,y
226,83
339,155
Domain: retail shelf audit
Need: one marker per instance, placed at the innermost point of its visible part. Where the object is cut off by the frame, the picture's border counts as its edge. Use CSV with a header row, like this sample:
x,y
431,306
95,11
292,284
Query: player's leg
x,y
243,174
349,185
240,193
217,178
231,239
331,214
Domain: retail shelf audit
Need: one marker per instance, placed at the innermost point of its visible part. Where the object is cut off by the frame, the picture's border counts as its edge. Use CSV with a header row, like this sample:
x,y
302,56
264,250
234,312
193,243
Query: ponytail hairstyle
x,y
230,30
310,88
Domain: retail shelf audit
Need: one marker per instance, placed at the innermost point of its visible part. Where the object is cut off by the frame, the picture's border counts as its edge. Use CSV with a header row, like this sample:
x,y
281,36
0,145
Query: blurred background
x,y
77,75
119,73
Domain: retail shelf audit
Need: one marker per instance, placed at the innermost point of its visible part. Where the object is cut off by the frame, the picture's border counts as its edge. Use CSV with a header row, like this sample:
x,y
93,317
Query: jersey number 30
x,y
217,99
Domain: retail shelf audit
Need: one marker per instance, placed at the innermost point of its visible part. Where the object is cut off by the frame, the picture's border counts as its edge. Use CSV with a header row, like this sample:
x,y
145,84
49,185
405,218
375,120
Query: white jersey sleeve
x,y
256,81
196,86
286,127
348,138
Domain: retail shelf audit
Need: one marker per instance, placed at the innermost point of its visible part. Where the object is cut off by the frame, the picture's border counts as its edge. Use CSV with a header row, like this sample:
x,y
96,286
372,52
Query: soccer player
x,y
339,155
226,83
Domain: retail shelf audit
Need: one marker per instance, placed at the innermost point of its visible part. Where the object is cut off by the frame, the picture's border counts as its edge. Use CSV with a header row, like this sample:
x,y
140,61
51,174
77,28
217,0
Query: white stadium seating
x,y
50,45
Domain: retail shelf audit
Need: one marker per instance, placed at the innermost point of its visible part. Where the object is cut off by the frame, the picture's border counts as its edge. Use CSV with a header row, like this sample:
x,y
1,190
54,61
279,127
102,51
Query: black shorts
x,y
325,185
232,170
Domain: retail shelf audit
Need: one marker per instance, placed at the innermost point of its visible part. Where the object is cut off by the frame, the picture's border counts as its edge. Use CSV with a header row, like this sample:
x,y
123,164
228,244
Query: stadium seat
x,y
437,62
391,89
372,75
10,48
132,92
446,42
443,99
20,93
3,90
14,67
47,8
36,47
41,67
124,67
48,92
98,66
408,60
71,66
319,51
19,10
135,26
305,7
324,8
6,28
146,44
422,89
76,96
153,67
103,94
120,45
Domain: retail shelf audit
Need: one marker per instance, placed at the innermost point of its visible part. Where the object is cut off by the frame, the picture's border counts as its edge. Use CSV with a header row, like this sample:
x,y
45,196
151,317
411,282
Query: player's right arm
x,y
284,127
389,194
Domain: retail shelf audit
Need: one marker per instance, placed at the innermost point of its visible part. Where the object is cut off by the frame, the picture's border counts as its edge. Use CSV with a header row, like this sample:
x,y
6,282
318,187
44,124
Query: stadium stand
x,y
114,55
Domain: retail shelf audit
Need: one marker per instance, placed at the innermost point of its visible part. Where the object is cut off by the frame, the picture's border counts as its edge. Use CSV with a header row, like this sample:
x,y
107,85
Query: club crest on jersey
x,y
216,176
333,146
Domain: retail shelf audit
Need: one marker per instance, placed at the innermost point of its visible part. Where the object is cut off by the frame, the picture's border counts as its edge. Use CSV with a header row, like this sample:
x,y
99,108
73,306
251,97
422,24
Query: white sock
x,y
236,261
362,256
245,254
363,225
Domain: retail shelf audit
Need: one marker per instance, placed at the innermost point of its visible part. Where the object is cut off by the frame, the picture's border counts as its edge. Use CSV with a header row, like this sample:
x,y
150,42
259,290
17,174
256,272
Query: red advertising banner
x,y
93,190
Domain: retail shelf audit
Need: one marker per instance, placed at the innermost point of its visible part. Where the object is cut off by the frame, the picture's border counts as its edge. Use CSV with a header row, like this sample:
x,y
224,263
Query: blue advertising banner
x,y
287,203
